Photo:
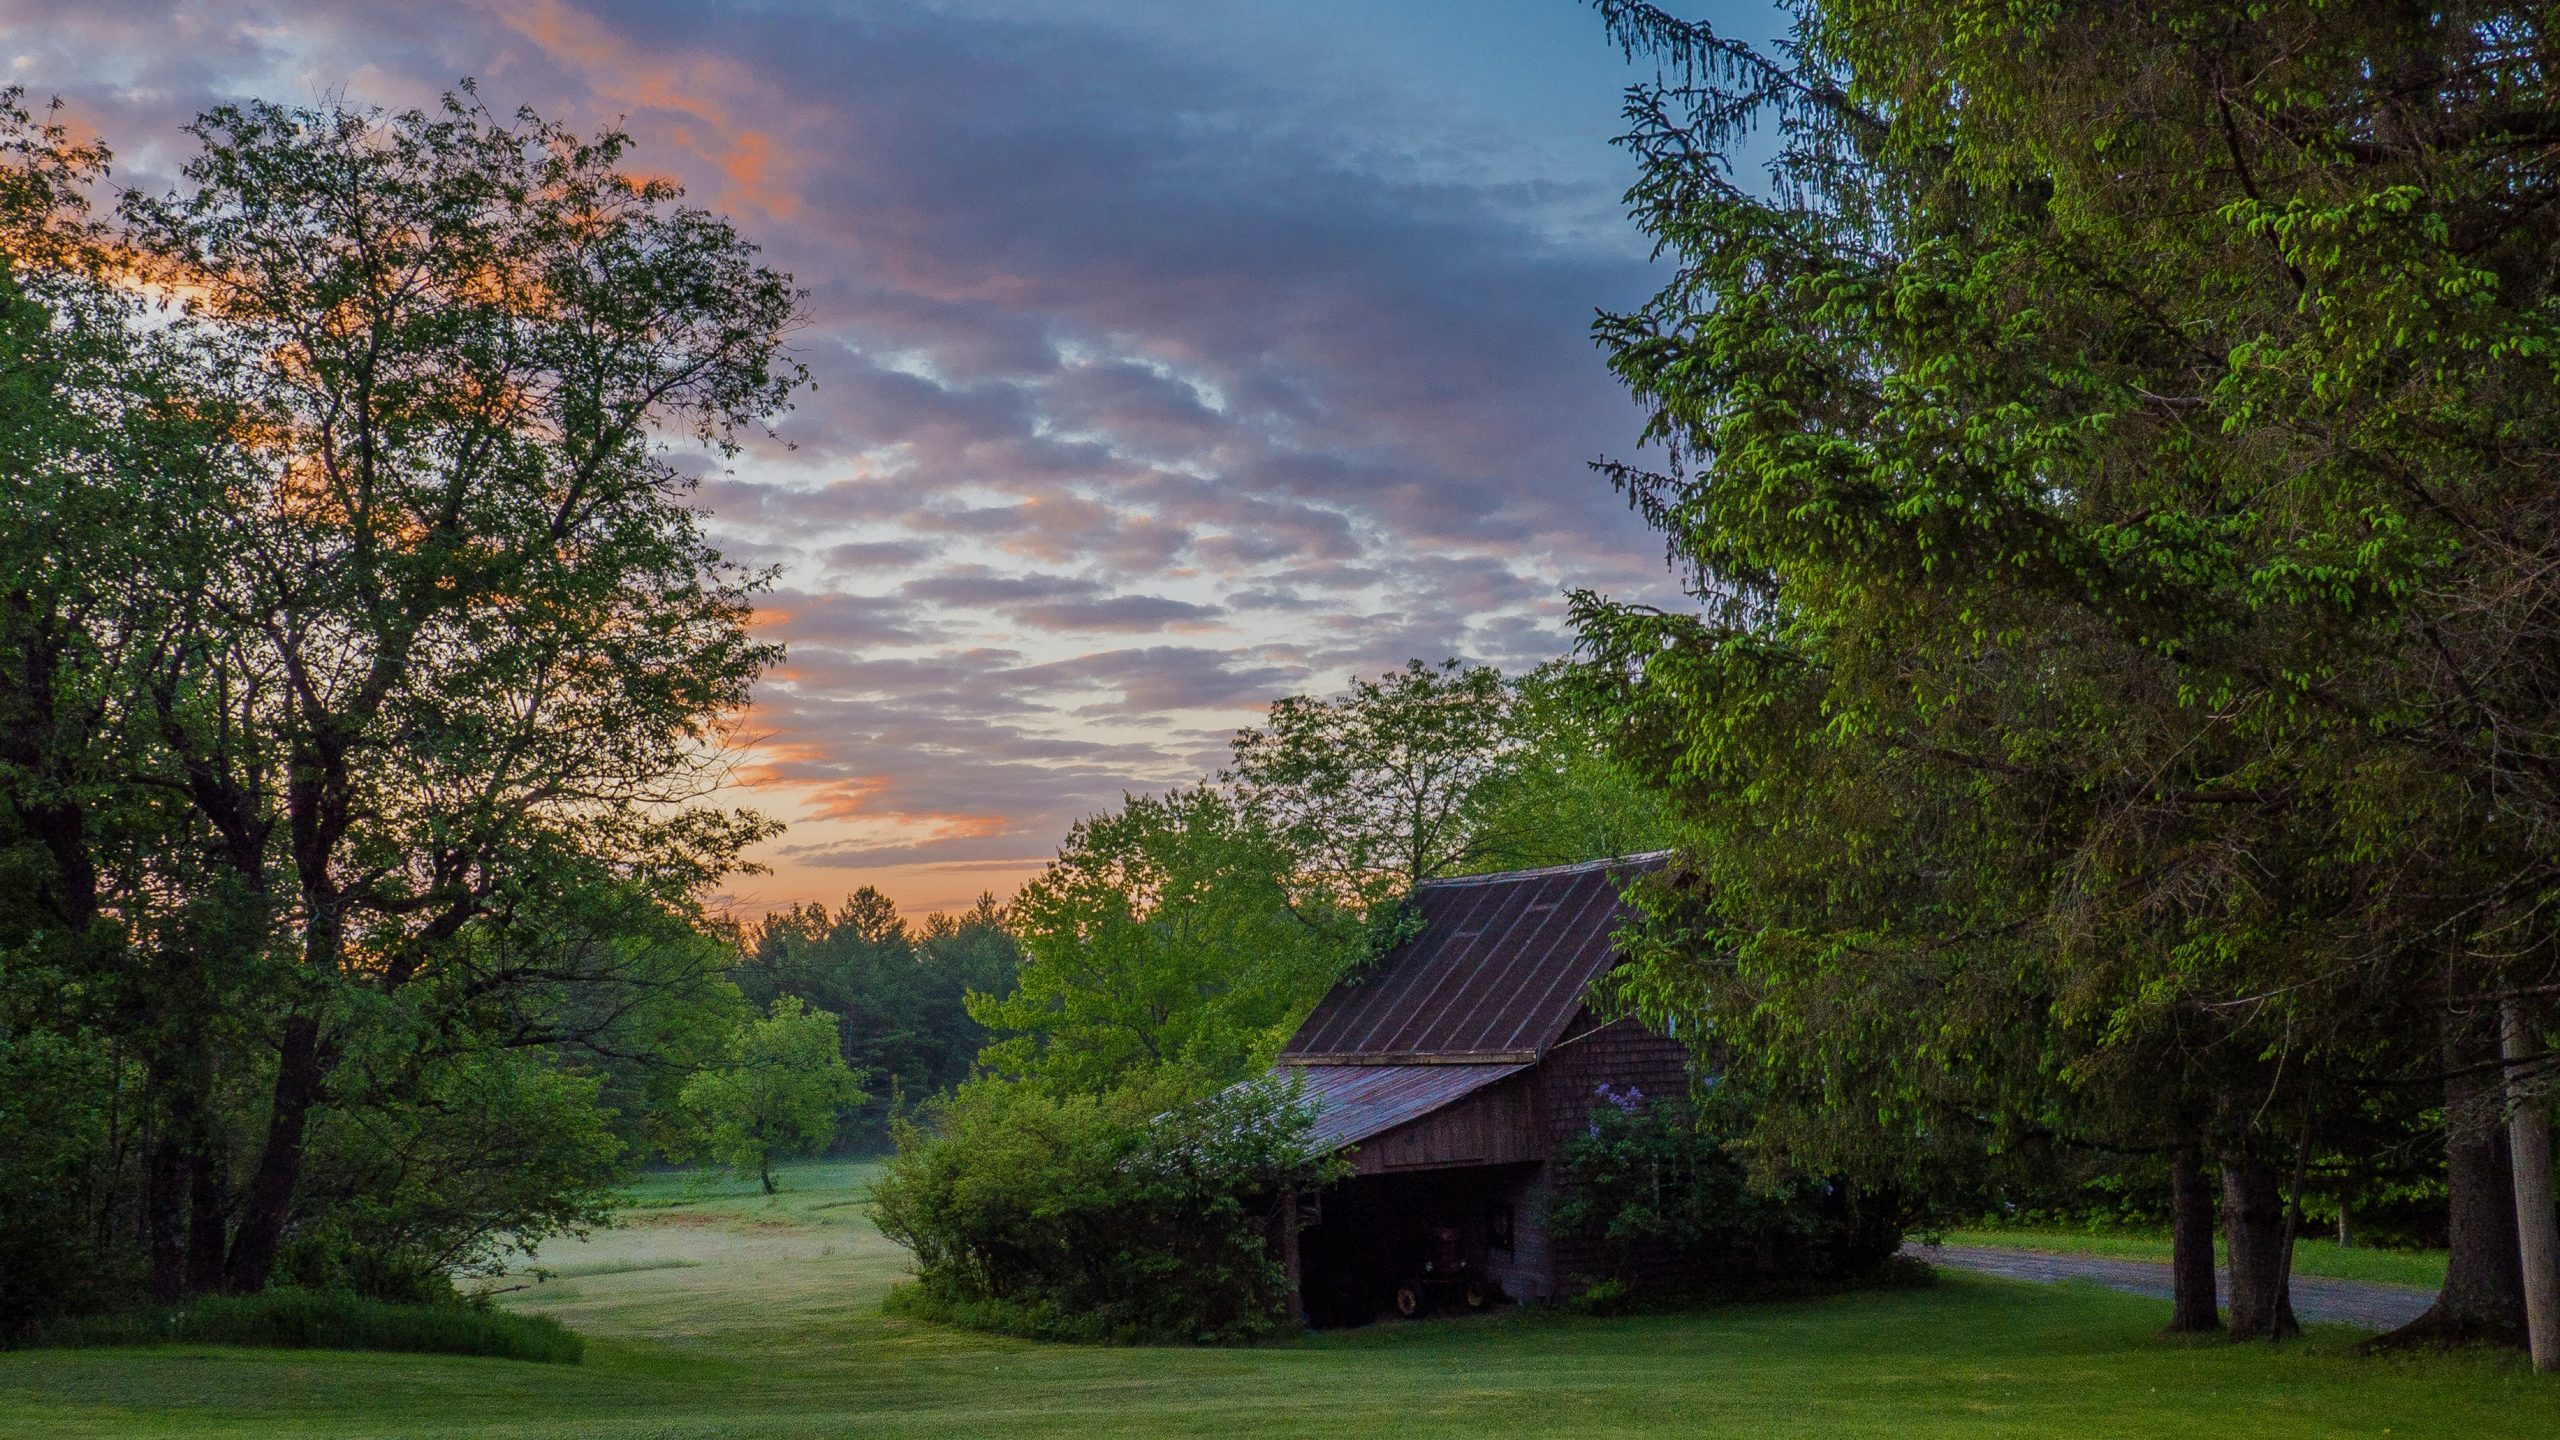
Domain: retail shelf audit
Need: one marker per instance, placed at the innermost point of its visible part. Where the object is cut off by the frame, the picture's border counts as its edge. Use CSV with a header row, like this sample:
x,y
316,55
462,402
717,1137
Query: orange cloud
x,y
847,799
692,85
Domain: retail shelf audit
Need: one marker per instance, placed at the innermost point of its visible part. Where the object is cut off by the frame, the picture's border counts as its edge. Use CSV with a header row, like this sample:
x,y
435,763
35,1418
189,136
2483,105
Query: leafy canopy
x,y
777,1092
1168,935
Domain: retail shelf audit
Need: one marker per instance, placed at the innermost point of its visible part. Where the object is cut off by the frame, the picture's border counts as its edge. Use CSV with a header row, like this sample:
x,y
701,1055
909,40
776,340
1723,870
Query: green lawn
x,y
2422,1268
722,1313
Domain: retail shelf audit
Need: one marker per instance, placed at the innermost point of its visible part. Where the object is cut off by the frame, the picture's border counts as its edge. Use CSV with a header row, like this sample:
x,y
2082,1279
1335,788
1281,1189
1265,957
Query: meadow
x,y
714,1310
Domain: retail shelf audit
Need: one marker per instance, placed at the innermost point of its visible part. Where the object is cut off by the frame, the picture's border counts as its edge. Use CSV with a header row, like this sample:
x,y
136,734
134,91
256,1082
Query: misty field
x,y
719,1312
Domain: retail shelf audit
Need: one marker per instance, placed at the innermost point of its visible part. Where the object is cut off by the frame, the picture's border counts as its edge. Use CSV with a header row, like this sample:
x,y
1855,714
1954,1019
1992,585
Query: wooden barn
x,y
1452,1071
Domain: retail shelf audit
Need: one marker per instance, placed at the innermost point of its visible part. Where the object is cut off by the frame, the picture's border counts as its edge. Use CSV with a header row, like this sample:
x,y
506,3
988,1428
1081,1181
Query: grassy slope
x,y
728,1314
2311,1256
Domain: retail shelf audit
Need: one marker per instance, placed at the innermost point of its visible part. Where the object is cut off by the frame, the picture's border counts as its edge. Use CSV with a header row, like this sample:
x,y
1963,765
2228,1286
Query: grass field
x,y
719,1312
2311,1256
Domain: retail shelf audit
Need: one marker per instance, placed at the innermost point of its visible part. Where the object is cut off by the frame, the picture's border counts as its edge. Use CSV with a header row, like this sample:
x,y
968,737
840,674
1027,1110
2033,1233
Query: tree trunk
x,y
269,1204
2482,1301
2293,1216
191,1175
205,1220
2537,1225
764,1164
162,1188
2253,1222
2194,1309
180,1080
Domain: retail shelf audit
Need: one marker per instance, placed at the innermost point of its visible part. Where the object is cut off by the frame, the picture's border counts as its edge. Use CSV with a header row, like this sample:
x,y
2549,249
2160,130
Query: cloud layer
x,y
1152,382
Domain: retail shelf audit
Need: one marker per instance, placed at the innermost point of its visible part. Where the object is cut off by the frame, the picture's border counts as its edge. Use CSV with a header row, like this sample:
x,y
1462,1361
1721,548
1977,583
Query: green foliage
x,y
317,1320
1379,788
779,1089
53,1135
367,671
2095,448
1167,936
973,948
899,995
1559,793
1123,1217
1648,1178
482,1157
1447,770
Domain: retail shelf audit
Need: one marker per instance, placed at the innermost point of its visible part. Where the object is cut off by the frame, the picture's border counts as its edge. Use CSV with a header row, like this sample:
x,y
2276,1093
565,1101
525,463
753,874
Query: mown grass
x,y
773,1326
2311,1256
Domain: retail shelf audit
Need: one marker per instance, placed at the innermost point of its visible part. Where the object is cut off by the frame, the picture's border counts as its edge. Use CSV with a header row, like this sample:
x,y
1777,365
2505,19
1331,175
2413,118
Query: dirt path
x,y
2316,1300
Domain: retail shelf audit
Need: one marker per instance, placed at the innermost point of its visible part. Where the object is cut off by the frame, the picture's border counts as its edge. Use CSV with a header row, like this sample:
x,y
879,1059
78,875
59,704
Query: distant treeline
x,y
898,992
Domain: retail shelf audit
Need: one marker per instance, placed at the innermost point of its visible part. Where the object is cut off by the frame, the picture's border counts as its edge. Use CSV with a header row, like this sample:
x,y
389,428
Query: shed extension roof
x,y
1493,976
1354,1102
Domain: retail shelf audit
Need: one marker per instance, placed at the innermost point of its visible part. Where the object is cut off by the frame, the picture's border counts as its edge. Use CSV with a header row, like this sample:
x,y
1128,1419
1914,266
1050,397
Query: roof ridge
x,y
1498,966
1576,868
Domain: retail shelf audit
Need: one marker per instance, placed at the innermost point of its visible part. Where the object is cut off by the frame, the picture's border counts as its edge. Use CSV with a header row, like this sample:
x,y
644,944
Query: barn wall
x,y
1497,1125
1526,1272
1490,1147
1594,1052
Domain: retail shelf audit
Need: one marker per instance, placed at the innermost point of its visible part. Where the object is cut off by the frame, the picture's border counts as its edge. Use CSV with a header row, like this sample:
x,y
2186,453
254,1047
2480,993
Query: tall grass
x,y
317,1320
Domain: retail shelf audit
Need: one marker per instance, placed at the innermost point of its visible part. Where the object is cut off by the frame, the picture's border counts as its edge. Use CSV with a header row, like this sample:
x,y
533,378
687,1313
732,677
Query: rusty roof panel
x,y
1355,1102
1496,971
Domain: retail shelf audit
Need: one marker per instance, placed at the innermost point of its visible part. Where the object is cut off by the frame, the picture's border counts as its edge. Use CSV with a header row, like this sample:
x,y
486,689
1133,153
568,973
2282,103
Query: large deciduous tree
x,y
367,671
1168,937
1381,788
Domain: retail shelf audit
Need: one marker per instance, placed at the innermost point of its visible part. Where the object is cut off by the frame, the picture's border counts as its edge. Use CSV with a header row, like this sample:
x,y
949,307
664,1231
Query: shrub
x,y
319,1320
489,1154
1653,1180
1117,1218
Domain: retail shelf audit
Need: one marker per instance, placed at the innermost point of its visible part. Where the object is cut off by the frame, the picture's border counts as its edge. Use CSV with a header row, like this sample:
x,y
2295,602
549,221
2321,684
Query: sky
x,y
1170,356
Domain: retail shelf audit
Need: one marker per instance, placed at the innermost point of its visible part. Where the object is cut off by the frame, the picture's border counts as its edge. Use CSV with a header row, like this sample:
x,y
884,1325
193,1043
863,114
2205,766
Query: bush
x,y
488,1155
317,1320
1121,1218
1653,1182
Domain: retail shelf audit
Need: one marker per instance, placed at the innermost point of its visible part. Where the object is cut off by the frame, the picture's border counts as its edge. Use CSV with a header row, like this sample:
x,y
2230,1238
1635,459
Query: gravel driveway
x,y
2316,1300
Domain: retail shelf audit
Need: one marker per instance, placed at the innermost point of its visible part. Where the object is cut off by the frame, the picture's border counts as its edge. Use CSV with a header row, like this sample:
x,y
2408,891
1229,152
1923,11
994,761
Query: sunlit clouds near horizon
x,y
1169,357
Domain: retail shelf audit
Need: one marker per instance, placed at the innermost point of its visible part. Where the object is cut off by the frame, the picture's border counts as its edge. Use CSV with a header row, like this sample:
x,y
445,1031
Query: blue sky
x,y
1172,355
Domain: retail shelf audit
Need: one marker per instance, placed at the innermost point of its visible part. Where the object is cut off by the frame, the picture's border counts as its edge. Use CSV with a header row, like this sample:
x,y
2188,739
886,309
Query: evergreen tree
x,y
2100,448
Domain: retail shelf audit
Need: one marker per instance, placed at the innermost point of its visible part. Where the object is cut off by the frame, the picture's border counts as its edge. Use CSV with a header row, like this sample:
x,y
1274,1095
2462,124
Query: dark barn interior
x,y
1413,1243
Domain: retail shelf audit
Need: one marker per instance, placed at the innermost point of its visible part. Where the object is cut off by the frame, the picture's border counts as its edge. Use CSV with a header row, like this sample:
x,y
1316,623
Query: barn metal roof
x,y
1493,976
1354,1102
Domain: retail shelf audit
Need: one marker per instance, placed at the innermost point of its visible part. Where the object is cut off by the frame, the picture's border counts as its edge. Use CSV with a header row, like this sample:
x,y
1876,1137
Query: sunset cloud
x,y
1157,374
